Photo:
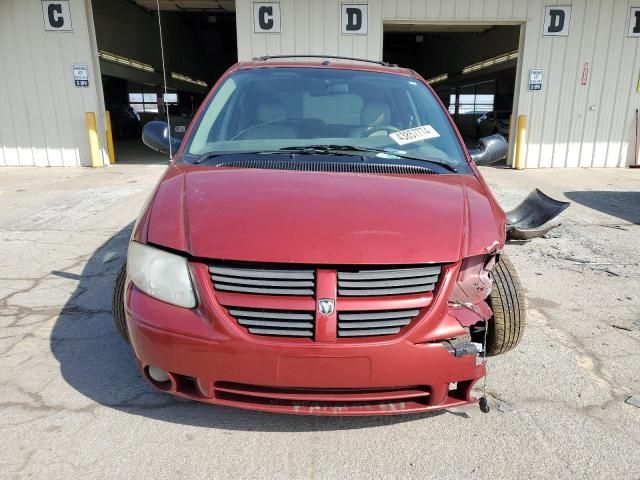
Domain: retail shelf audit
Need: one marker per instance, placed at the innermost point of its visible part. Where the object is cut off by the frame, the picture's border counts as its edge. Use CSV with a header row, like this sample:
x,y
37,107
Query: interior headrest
x,y
270,111
375,113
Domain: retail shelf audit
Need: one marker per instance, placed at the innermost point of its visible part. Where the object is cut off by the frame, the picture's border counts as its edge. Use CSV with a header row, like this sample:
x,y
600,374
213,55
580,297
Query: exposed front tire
x,y
507,300
117,305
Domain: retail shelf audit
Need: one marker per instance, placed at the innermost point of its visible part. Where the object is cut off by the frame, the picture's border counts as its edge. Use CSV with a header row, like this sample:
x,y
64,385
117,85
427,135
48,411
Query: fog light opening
x,y
157,374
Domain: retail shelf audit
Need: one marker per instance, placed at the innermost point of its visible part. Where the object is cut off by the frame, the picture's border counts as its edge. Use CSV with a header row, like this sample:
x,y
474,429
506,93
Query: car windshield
x,y
388,116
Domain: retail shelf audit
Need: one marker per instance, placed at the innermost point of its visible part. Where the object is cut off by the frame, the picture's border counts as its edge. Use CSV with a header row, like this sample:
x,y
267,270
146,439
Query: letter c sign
x,y
56,15
266,18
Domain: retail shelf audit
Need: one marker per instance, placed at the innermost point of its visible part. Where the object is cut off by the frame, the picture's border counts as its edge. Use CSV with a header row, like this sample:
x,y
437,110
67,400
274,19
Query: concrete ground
x,y
73,405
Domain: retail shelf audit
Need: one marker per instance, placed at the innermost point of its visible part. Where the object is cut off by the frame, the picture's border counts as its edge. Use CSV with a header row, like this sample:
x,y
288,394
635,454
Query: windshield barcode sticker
x,y
416,134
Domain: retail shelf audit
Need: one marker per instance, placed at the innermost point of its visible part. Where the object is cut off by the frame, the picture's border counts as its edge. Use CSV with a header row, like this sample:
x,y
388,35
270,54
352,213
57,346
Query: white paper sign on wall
x,y
536,79
266,18
557,21
80,75
56,15
354,19
634,22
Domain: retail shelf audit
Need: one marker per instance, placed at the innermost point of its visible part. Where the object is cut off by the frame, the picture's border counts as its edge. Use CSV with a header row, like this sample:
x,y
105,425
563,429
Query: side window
x,y
201,138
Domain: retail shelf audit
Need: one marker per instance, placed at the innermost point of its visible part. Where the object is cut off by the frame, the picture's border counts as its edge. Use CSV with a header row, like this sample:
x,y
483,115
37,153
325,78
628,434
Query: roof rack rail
x,y
333,57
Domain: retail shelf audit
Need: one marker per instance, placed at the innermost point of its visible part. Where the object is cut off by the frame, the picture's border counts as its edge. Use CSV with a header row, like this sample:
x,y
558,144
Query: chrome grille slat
x,y
394,281
378,315
391,273
263,273
400,322
280,332
270,314
265,291
365,324
263,281
356,292
390,283
275,322
368,332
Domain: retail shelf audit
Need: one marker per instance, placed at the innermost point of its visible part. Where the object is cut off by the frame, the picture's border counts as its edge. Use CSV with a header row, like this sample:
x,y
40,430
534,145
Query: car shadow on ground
x,y
95,361
623,205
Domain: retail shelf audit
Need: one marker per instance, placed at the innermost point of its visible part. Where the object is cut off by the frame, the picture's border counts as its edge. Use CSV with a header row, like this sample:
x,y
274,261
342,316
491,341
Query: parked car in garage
x,y
493,122
125,122
322,243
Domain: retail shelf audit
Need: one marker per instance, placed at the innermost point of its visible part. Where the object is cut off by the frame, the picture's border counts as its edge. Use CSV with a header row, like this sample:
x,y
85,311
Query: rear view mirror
x,y
490,150
155,135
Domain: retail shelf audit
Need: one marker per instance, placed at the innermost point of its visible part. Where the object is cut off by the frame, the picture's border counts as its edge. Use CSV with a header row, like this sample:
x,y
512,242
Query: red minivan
x,y
321,243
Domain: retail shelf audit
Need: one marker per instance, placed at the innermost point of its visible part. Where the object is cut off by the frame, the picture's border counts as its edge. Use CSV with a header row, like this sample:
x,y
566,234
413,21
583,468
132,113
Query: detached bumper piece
x,y
527,220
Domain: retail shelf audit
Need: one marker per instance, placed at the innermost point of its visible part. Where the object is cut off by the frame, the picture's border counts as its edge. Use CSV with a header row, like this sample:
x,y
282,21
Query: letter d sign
x,y
354,19
56,15
556,21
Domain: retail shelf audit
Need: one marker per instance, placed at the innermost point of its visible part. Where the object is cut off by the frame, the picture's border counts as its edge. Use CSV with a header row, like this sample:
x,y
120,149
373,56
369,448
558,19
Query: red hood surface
x,y
322,218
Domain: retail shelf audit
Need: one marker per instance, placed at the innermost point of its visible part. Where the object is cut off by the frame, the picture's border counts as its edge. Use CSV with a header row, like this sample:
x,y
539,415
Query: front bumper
x,y
210,359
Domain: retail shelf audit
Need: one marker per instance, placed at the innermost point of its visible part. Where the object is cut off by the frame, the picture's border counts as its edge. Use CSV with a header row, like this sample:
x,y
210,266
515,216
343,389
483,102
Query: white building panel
x,y
42,113
570,124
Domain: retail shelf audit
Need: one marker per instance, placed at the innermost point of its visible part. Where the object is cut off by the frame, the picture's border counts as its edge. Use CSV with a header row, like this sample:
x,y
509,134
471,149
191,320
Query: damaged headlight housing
x,y
161,274
474,282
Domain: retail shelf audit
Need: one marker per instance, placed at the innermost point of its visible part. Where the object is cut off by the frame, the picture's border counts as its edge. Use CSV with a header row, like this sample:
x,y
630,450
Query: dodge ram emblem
x,y
326,306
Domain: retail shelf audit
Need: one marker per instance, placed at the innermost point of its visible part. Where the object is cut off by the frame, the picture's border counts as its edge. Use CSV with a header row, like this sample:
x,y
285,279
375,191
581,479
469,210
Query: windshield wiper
x,y
209,155
324,149
345,149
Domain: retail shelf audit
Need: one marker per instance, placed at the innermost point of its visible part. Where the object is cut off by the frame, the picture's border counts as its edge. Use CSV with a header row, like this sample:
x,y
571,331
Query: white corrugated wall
x,y
309,27
42,113
570,124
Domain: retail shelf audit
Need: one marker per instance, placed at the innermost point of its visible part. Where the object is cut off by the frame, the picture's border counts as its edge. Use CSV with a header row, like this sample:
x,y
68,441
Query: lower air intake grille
x,y
275,322
265,281
377,282
366,324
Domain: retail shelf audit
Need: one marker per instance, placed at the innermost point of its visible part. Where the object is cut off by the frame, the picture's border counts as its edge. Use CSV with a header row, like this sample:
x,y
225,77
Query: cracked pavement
x,y
72,404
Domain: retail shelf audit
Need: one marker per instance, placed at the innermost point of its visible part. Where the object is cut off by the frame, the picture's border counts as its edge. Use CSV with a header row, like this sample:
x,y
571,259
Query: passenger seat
x,y
270,116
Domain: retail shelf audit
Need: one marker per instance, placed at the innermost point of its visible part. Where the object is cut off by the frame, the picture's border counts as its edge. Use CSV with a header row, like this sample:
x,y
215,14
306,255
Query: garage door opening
x,y
472,68
200,44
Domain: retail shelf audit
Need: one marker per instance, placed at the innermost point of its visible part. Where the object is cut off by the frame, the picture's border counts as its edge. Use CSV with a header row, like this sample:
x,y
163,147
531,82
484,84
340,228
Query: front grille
x,y
280,323
372,323
280,300
267,280
377,282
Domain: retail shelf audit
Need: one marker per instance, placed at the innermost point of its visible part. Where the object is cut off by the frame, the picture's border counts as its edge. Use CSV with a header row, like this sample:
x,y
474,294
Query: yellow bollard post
x,y
94,144
110,148
521,138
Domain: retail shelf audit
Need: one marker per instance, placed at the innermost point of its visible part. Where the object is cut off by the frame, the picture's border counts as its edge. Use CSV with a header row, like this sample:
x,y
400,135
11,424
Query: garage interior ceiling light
x,y
438,79
129,62
185,78
490,62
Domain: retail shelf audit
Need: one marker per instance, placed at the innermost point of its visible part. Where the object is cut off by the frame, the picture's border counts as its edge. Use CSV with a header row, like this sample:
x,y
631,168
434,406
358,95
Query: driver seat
x,y
373,114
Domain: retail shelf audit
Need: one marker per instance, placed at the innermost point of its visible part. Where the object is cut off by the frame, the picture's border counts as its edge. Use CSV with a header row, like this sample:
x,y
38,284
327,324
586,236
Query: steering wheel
x,y
373,131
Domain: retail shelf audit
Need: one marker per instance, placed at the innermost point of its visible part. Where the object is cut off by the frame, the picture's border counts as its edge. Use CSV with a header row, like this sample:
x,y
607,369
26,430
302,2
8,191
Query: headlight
x,y
162,275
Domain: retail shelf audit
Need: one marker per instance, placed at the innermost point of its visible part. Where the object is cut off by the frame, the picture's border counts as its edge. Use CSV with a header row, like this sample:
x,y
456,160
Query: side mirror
x,y
490,150
155,135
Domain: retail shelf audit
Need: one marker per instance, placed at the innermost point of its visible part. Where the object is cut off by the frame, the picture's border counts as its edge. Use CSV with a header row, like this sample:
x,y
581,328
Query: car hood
x,y
322,218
